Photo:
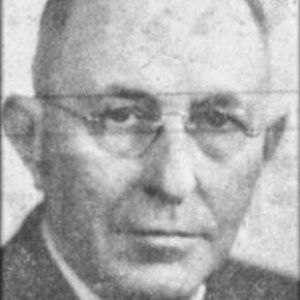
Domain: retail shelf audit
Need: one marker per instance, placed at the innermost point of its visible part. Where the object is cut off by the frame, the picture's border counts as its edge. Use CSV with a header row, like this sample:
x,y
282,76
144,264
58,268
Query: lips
x,y
149,245
202,228
141,232
163,233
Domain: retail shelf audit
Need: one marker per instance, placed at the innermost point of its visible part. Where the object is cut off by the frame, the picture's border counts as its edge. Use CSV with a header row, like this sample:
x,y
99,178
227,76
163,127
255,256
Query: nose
x,y
171,176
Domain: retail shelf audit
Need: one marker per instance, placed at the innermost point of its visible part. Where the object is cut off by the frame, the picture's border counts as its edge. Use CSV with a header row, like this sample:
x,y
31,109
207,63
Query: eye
x,y
130,119
215,118
112,119
123,114
119,115
212,119
122,119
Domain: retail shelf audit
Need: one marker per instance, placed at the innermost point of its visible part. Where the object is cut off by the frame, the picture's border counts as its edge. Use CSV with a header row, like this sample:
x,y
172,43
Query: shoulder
x,y
238,280
27,269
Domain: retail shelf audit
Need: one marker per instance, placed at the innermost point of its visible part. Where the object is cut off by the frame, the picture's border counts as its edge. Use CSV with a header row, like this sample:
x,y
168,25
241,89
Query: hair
x,y
53,23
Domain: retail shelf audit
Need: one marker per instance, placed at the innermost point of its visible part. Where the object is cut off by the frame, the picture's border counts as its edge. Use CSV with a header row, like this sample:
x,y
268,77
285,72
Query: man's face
x,y
153,209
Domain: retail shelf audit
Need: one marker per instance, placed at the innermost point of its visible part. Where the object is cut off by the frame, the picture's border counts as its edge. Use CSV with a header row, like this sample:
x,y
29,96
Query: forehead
x,y
160,46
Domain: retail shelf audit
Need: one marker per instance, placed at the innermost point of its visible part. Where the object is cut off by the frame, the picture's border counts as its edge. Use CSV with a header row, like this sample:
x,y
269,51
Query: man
x,y
147,135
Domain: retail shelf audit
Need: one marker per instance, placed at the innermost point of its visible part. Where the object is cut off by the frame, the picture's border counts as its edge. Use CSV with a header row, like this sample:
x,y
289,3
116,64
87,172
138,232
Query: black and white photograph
x,y
150,150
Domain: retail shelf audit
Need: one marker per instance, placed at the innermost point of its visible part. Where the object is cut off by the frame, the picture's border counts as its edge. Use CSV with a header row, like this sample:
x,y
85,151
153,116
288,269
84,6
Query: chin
x,y
158,281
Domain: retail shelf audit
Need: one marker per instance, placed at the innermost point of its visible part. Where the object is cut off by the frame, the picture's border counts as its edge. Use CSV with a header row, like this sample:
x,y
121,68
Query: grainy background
x,y
269,235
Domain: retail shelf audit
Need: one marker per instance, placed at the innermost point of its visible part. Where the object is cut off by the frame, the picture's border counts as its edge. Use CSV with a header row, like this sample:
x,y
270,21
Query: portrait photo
x,y
150,150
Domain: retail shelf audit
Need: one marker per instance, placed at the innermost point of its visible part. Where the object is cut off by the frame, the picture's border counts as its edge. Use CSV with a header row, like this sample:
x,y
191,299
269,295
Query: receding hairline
x,y
54,22
57,12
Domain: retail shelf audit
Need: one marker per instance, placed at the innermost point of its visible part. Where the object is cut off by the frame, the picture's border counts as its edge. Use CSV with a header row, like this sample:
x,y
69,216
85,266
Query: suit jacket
x,y
30,273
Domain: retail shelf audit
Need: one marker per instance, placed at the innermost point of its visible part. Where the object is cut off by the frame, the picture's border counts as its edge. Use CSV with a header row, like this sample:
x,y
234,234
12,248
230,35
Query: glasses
x,y
129,128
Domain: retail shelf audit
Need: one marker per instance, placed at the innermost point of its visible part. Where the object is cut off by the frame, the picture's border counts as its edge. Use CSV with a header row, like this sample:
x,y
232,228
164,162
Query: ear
x,y
22,122
273,136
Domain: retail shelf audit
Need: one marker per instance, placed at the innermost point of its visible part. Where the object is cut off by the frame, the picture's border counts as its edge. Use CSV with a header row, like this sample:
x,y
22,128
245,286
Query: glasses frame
x,y
157,126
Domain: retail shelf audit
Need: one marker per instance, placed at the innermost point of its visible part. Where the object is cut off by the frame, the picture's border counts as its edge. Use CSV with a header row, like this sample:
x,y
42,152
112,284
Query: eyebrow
x,y
136,94
221,100
128,93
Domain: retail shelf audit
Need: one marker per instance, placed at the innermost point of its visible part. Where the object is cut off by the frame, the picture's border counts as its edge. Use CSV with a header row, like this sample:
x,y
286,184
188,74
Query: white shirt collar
x,y
201,293
82,291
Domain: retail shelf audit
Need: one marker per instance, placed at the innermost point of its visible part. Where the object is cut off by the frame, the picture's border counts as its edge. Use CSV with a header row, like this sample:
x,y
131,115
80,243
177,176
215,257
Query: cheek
x,y
230,194
238,192
91,178
229,200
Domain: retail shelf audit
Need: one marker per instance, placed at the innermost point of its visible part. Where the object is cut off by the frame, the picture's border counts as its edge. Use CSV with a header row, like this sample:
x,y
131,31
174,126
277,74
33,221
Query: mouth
x,y
161,238
163,233
167,234
161,245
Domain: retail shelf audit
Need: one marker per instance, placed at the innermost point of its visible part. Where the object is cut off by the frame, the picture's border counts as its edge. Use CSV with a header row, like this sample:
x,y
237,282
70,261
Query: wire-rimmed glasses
x,y
128,129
